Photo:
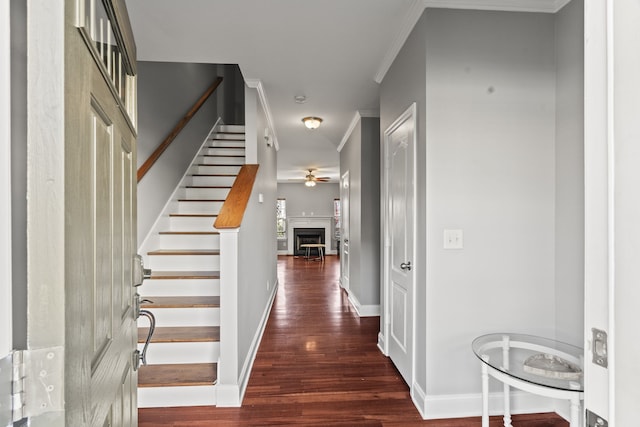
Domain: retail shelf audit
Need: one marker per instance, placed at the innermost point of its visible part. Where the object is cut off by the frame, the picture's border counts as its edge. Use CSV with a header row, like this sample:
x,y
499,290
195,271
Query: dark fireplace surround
x,y
304,236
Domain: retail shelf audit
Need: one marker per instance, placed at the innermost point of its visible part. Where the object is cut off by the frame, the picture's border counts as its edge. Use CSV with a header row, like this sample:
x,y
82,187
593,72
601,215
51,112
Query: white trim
x,y
354,122
433,407
418,6
5,180
255,344
162,397
371,310
409,115
262,94
411,18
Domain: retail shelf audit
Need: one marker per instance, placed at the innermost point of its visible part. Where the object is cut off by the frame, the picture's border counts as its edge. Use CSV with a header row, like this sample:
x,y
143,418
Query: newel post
x,y
228,390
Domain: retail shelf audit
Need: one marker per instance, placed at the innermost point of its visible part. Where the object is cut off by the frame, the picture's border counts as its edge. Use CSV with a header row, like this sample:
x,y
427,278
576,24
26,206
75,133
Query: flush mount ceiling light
x,y
300,99
312,122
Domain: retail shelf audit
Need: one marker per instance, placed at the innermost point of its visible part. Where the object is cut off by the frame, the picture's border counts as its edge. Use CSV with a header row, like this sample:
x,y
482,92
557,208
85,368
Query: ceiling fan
x,y
310,179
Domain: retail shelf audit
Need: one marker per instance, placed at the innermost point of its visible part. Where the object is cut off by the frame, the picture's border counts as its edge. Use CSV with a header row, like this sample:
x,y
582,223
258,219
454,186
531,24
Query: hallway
x,y
318,364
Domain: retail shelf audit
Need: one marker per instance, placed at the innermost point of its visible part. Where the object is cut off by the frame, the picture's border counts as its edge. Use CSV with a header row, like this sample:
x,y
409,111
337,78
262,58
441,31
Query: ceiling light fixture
x,y
312,122
310,183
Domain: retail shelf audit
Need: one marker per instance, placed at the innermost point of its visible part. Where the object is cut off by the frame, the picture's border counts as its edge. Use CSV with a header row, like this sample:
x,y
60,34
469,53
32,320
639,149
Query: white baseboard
x,y
228,396
470,405
363,310
162,397
381,344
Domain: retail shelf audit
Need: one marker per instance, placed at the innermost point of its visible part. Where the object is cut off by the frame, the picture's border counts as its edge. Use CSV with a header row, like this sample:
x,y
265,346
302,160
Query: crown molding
x,y
418,6
354,122
257,84
411,18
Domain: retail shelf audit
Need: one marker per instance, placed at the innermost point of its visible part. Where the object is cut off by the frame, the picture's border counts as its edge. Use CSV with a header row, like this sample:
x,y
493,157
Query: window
x,y
281,219
336,218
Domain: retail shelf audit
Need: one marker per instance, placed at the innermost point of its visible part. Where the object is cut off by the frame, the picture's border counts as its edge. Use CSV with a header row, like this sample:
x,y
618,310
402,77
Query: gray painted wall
x,y
19,171
257,245
404,84
166,91
308,201
569,245
490,172
360,156
486,89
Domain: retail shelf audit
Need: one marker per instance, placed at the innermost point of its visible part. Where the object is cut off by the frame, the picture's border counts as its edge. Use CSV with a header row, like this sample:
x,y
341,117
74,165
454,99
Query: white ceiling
x,y
330,51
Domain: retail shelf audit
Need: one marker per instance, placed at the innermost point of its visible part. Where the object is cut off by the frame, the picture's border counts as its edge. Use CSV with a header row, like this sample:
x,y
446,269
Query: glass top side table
x,y
534,364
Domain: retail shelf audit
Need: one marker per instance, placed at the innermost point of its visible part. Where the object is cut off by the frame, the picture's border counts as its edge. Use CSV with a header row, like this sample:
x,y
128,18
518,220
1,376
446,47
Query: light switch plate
x,y
453,239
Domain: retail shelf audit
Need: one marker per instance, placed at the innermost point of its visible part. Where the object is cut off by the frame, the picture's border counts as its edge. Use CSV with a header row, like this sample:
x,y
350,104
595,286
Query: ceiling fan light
x,y
310,183
312,122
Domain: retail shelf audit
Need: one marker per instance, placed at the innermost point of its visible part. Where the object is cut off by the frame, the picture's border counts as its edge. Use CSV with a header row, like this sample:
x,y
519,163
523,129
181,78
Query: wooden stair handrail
x,y
233,209
177,129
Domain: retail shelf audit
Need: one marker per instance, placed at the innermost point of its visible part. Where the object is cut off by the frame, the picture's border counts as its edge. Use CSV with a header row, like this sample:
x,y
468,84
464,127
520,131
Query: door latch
x,y
599,347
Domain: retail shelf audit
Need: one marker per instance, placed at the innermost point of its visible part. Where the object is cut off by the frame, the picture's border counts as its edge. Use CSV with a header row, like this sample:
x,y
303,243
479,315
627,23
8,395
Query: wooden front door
x,y
82,205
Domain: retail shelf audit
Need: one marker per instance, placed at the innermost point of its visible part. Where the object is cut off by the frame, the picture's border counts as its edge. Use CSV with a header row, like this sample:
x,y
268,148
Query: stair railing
x,y
177,129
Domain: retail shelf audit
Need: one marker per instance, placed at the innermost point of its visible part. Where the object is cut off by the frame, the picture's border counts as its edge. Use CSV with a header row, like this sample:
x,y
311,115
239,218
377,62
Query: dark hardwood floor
x,y
318,364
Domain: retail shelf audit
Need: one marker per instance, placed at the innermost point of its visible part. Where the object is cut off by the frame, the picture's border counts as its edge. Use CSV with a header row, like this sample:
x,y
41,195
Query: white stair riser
x,y
193,316
182,352
191,223
199,207
206,193
184,262
239,160
224,151
191,241
217,169
225,144
231,128
164,397
185,287
213,180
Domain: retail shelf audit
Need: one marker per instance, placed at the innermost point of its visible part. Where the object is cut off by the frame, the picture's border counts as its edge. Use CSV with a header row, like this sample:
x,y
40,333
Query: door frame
x,y
345,220
6,341
612,235
383,341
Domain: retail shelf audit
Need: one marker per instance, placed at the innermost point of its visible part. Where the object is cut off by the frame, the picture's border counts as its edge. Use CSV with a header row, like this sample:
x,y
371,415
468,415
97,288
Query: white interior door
x,y
82,208
399,185
345,221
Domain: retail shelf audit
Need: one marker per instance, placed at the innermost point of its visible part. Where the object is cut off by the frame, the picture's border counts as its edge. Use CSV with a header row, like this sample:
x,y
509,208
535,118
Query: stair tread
x,y
221,164
170,275
176,375
215,174
208,186
189,232
168,334
233,147
184,252
224,155
194,215
201,200
183,302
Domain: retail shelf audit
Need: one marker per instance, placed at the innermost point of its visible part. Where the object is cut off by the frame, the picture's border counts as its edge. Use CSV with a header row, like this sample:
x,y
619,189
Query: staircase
x,y
184,287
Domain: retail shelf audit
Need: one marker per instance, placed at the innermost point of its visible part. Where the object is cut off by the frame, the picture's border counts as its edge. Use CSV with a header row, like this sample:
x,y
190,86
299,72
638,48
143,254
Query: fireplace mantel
x,y
310,222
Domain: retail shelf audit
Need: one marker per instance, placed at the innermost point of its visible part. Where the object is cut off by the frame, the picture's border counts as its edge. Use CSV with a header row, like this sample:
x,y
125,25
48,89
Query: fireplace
x,y
303,236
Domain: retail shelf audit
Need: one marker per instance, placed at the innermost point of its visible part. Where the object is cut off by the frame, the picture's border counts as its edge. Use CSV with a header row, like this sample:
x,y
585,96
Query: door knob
x,y
406,265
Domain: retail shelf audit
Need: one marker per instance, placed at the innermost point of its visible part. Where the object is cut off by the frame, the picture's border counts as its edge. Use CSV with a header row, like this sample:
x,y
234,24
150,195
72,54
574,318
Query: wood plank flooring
x,y
318,364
